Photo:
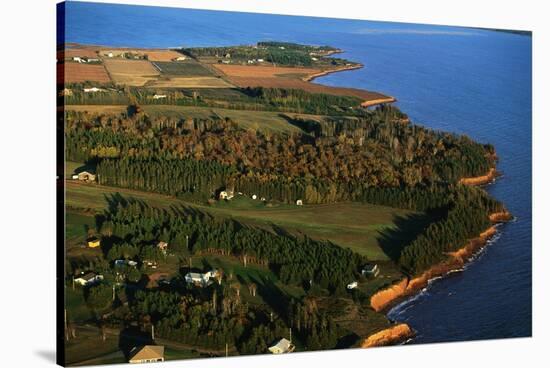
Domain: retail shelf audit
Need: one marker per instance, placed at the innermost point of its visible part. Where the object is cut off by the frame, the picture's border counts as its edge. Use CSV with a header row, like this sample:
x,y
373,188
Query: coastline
x,y
481,180
394,335
385,299
366,103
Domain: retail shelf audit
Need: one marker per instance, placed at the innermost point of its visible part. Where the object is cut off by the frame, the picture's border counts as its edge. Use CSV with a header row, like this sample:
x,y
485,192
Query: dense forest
x,y
331,160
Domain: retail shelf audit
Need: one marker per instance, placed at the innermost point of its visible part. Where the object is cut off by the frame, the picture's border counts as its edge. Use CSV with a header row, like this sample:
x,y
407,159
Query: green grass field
x,y
268,121
76,227
354,225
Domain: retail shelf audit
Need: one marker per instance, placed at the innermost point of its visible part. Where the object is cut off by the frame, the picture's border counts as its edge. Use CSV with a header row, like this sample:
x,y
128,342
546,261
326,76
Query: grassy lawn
x,y
268,285
76,226
175,354
89,348
263,120
360,227
77,309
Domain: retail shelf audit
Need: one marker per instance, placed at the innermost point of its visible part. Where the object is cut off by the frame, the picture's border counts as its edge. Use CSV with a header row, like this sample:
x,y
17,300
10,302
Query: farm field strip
x,y
131,72
263,120
76,73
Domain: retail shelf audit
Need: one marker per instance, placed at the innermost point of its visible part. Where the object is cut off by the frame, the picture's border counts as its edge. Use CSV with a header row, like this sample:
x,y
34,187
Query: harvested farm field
x,y
77,73
131,72
292,78
264,71
88,52
189,82
161,55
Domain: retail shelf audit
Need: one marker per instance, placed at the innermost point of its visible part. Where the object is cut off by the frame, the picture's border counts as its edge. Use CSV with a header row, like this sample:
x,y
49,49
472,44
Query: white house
x,y
181,58
314,59
299,202
110,54
75,177
78,59
352,285
201,279
260,60
281,347
254,196
93,89
122,262
88,279
158,97
370,270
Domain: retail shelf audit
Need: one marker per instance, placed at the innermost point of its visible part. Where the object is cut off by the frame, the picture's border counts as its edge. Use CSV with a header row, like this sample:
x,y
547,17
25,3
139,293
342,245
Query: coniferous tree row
x,y
463,221
167,176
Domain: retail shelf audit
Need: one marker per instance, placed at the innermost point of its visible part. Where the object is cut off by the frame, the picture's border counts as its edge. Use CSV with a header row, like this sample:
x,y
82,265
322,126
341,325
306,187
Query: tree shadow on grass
x,y
132,337
407,229
271,294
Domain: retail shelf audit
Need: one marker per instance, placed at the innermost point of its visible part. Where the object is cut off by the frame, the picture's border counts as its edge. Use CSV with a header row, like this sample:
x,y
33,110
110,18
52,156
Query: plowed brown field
x,y
75,73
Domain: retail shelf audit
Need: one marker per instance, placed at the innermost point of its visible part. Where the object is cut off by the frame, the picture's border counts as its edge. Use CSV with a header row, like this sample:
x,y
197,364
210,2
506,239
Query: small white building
x,y
89,278
370,270
181,58
158,97
93,60
123,262
74,177
260,60
78,59
352,285
201,279
110,54
299,202
93,89
227,194
281,347
314,59
254,196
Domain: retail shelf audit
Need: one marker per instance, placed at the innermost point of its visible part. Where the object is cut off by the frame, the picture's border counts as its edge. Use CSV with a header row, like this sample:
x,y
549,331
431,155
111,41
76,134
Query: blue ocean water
x,y
468,81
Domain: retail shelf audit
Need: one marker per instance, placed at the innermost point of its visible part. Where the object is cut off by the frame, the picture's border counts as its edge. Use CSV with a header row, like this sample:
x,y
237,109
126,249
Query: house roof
x,y
88,276
148,352
283,344
370,267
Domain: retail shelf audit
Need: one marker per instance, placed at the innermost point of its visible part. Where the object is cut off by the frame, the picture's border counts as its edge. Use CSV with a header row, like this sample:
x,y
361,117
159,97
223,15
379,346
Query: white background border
x,y
27,154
